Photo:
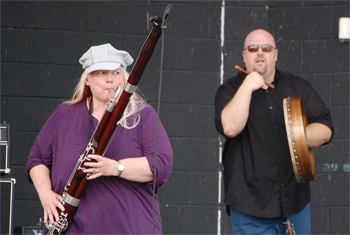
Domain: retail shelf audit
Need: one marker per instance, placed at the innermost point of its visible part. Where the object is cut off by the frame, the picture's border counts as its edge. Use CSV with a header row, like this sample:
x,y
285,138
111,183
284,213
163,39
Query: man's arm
x,y
317,134
235,114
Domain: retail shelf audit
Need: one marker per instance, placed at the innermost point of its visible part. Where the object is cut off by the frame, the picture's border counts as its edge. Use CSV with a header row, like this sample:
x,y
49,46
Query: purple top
x,y
110,204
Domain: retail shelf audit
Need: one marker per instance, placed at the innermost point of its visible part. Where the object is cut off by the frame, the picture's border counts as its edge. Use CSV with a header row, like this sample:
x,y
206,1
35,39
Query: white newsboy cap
x,y
104,57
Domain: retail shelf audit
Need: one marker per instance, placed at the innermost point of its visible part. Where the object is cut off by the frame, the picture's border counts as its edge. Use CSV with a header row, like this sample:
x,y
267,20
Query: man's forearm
x,y
317,134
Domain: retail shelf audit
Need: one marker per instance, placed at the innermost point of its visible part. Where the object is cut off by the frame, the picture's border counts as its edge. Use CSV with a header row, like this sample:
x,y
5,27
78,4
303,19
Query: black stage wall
x,y
41,42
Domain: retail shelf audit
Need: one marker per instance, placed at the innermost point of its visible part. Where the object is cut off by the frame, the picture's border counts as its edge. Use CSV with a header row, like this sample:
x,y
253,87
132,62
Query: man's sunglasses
x,y
264,48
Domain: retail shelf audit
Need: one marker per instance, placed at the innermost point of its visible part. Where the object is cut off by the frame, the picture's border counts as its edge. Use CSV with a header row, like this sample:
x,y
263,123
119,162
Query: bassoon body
x,y
77,183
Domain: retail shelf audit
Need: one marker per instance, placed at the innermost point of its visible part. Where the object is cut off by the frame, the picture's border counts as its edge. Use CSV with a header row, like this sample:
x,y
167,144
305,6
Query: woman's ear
x,y
87,83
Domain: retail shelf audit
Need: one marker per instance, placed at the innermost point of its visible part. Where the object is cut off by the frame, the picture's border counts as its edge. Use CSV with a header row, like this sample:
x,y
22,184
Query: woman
x,y
119,197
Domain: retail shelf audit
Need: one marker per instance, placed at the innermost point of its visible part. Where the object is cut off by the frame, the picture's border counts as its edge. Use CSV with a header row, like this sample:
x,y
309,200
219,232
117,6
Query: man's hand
x,y
254,81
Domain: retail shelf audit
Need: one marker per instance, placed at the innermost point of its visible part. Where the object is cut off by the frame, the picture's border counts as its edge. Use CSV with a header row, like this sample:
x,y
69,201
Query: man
x,y
260,187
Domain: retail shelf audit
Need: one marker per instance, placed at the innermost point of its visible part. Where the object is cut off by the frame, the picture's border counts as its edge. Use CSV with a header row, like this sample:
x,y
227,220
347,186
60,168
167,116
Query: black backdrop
x,y
41,42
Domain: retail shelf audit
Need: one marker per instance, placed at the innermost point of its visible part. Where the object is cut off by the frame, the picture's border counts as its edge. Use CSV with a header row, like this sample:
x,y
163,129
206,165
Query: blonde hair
x,y
131,116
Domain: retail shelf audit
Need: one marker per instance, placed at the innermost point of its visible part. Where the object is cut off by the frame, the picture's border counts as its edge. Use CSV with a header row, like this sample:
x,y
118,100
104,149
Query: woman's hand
x,y
50,202
40,174
136,169
102,167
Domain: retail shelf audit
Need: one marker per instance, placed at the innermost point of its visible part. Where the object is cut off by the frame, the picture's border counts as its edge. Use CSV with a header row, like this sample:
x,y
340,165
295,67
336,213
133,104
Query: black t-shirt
x,y
258,173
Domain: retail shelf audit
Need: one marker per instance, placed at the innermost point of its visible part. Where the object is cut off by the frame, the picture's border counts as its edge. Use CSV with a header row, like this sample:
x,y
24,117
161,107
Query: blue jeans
x,y
245,224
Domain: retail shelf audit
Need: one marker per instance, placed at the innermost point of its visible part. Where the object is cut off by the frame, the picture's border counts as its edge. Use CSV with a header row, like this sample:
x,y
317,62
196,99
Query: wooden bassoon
x,y
77,183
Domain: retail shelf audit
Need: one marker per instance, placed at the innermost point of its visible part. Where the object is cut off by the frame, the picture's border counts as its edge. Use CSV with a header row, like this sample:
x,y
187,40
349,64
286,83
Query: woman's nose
x,y
109,77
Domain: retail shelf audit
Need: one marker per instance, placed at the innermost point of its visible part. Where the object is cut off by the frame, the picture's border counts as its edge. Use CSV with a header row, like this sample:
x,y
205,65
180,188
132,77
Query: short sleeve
x,y
316,110
223,95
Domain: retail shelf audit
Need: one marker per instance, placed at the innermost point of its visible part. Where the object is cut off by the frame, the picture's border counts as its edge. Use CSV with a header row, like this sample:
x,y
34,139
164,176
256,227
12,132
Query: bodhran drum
x,y
302,156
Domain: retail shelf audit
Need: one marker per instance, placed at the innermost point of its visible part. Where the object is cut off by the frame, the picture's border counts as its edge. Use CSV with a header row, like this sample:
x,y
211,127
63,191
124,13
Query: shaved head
x,y
259,34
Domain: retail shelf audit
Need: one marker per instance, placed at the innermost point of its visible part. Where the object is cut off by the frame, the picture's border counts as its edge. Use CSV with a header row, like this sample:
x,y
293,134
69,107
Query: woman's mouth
x,y
111,90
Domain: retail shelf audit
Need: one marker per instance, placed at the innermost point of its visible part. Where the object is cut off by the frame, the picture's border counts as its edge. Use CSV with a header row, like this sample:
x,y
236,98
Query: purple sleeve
x,y
153,129
41,152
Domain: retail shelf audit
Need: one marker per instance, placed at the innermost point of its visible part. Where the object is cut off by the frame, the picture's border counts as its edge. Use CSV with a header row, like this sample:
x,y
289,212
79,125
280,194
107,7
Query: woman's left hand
x,y
102,167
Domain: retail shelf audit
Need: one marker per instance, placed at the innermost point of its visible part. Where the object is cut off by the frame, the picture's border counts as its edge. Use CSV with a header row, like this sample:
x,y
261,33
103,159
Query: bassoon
x,y
98,144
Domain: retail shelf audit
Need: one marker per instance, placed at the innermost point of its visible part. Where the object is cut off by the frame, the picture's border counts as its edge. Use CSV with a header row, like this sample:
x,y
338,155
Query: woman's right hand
x,y
40,174
50,202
